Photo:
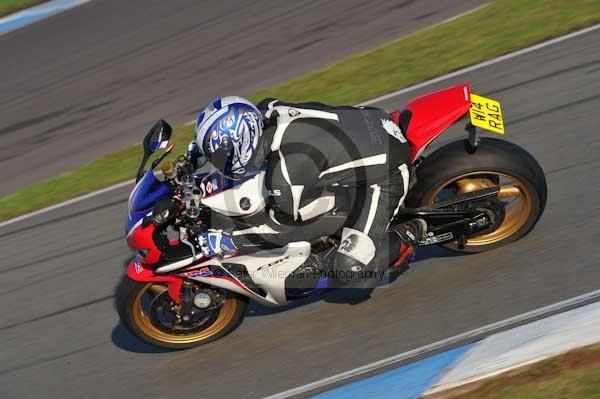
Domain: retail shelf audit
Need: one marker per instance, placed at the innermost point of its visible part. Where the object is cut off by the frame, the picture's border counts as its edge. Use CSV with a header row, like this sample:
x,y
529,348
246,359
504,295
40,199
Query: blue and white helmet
x,y
227,133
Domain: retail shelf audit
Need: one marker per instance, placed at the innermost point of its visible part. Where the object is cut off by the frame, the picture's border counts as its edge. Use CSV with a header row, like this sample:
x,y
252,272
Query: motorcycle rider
x,y
315,155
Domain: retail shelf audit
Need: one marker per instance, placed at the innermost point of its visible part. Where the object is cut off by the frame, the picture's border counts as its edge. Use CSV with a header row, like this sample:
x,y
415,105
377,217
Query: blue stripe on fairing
x,y
30,15
406,382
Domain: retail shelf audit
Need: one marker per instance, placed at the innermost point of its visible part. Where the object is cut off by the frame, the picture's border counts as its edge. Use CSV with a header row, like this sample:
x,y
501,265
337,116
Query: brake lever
x,y
163,156
182,234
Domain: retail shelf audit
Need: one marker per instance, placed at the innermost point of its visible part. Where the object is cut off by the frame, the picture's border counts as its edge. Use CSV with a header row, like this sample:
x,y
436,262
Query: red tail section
x,y
433,113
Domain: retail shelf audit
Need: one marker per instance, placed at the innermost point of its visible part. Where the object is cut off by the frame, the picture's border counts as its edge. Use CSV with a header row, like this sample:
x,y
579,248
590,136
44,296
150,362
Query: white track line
x,y
462,14
444,344
369,102
483,64
69,202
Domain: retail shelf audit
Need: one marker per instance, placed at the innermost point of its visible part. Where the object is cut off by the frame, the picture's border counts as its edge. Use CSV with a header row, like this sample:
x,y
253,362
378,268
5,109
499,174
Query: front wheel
x,y
148,312
452,170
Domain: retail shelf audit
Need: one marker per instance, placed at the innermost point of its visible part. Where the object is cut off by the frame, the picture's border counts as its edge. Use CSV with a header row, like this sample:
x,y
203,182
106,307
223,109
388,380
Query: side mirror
x,y
158,137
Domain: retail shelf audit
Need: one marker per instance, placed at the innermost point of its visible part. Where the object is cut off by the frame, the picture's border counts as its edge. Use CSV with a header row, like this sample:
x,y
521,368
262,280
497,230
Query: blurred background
x,y
82,81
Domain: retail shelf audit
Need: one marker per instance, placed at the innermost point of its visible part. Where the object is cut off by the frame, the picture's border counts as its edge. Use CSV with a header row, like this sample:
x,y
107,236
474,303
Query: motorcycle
x,y
475,194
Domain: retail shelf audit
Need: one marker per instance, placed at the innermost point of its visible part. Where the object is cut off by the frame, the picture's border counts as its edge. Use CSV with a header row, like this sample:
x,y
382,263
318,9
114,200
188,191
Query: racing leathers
x,y
319,157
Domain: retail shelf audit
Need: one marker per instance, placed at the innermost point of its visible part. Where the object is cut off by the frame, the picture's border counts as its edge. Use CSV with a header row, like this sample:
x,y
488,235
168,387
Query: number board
x,y
486,114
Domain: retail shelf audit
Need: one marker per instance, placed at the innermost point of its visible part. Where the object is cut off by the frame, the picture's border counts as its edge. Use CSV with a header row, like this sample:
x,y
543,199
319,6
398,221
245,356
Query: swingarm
x,y
458,218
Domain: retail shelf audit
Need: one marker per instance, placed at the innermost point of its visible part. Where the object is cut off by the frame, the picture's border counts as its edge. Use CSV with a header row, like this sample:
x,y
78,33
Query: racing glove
x,y
214,243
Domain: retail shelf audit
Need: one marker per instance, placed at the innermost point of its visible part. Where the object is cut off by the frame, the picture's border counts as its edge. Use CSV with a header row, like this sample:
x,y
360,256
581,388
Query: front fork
x,y
137,271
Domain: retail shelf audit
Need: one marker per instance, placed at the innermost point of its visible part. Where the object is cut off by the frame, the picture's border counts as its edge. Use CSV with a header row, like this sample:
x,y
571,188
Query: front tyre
x,y
452,170
147,311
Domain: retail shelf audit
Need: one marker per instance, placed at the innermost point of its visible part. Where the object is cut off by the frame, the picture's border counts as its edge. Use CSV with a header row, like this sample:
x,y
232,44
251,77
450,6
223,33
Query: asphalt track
x,y
61,337
95,78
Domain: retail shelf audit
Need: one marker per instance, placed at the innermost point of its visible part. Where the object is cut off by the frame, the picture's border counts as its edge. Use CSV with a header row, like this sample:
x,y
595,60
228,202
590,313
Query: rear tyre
x,y
145,310
452,170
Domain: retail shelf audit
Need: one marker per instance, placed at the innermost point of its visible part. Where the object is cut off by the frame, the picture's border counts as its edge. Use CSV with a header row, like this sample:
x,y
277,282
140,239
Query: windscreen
x,y
143,197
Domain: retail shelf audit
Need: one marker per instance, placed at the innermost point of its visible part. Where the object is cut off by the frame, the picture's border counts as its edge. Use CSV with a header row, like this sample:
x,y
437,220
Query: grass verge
x,y
503,26
12,6
574,375
103,172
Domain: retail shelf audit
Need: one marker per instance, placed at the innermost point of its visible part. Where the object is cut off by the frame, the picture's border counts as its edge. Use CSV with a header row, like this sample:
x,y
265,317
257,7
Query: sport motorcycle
x,y
476,194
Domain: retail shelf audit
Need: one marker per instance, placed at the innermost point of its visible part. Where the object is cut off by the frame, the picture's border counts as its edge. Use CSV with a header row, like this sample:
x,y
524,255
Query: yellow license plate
x,y
486,114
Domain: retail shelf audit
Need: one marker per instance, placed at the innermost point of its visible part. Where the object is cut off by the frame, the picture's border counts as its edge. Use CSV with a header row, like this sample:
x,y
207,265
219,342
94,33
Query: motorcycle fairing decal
x,y
169,267
210,270
275,263
267,269
202,272
227,282
138,272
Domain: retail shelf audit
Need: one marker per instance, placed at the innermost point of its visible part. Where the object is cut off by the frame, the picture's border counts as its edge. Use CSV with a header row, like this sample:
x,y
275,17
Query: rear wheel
x,y
148,312
452,170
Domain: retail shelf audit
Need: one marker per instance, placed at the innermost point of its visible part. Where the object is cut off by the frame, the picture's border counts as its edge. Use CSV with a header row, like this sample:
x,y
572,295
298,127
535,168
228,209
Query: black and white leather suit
x,y
314,151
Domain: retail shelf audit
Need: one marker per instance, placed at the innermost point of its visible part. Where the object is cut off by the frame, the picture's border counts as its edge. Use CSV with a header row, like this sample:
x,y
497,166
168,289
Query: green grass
x,y
574,375
11,6
501,27
100,173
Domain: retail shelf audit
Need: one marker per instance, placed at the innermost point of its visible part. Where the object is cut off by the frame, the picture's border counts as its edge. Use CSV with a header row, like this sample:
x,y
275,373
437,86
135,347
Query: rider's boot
x,y
410,234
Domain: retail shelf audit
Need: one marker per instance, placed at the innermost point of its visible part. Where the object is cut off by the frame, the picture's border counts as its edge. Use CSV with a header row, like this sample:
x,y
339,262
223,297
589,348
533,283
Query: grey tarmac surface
x,y
60,333
95,78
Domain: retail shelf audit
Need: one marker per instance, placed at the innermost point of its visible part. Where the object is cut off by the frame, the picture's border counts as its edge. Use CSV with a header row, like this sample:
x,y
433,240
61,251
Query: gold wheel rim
x,y
515,196
143,321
